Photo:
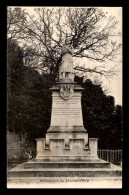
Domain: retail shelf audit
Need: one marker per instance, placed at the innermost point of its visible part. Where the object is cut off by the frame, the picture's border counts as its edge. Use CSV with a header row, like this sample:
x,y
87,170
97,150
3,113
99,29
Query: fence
x,y
113,156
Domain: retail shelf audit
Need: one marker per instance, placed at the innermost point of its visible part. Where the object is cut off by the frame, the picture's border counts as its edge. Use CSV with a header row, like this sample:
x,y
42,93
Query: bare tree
x,y
42,35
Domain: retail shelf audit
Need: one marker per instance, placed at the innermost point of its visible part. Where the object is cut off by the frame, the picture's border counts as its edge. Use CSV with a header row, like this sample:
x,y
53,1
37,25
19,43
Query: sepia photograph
x,y
64,97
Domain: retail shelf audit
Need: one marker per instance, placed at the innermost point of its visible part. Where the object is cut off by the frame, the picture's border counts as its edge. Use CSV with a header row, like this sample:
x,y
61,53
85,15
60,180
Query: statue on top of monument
x,y
66,67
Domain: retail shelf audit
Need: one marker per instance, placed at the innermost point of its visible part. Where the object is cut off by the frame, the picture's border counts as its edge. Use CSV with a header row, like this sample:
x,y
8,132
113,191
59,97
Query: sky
x,y
114,84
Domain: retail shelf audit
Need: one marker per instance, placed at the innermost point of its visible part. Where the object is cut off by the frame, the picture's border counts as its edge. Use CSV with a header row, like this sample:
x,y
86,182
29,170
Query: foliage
x,y
101,117
29,98
13,142
42,33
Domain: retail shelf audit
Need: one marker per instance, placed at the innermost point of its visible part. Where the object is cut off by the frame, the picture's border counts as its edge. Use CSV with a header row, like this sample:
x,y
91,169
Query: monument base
x,y
66,147
56,161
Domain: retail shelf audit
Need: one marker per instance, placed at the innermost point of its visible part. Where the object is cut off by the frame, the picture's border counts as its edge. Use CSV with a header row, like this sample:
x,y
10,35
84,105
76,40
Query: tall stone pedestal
x,y
66,139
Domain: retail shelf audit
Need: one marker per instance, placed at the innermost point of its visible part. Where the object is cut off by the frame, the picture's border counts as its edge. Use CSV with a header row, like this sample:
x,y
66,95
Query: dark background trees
x,y
29,104
29,98
101,117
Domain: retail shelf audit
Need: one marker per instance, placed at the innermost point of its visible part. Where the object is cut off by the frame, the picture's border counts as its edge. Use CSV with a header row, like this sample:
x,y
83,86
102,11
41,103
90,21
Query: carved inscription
x,y
66,107
66,102
66,112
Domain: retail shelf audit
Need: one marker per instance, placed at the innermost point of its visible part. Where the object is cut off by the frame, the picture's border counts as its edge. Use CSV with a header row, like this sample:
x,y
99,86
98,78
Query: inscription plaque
x,y
66,112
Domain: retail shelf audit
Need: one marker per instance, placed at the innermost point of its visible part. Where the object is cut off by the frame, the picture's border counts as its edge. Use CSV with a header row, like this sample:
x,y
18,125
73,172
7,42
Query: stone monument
x,y
66,139
66,151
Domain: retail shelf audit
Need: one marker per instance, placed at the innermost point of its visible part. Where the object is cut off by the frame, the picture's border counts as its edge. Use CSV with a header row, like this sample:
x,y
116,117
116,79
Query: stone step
x,y
19,171
36,165
63,159
65,173
66,158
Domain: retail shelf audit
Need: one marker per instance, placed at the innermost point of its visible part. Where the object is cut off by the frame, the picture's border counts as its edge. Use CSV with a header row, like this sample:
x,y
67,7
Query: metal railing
x,y
112,156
